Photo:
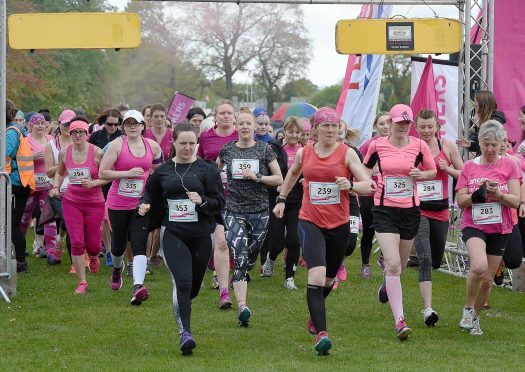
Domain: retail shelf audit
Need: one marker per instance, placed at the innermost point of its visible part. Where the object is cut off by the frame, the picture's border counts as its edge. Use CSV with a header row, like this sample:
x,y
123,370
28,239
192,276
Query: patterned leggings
x,y
50,229
245,233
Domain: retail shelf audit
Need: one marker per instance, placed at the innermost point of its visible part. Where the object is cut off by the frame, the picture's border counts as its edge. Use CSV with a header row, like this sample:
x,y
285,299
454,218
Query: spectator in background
x,y
123,108
195,116
146,113
110,121
263,125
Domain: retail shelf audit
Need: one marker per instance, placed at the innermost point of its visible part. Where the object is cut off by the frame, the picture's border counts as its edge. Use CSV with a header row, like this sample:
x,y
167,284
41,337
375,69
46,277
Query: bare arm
x,y
49,161
105,171
364,184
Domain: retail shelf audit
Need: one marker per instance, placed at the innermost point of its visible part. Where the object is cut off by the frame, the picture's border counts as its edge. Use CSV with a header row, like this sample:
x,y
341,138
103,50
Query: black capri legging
x,y
365,207
128,225
513,252
186,259
352,238
430,244
323,247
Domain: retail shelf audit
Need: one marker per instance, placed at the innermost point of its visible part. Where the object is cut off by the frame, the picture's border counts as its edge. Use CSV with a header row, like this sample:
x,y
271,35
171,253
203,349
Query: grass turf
x,y
47,327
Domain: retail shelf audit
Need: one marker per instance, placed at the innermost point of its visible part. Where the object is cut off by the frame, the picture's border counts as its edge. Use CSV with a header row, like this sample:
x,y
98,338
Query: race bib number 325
x,y
399,187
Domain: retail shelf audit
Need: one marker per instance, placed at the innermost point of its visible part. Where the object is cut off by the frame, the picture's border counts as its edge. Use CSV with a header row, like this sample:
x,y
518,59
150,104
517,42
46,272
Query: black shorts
x,y
402,221
495,243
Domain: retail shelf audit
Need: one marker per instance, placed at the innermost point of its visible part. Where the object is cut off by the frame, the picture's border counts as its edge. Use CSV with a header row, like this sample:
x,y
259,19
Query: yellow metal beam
x,y
74,30
398,36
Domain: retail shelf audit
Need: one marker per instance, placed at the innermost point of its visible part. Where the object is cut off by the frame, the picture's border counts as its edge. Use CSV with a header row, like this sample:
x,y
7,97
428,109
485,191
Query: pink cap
x,y
401,112
306,124
66,116
326,115
78,124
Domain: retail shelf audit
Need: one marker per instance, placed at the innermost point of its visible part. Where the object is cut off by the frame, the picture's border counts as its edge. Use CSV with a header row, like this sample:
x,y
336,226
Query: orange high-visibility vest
x,y
24,161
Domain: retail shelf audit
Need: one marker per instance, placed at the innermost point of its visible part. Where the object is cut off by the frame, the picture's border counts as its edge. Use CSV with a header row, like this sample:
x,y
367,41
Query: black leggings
x,y
323,247
521,225
244,233
352,238
186,259
277,239
513,252
365,207
430,244
128,225
18,206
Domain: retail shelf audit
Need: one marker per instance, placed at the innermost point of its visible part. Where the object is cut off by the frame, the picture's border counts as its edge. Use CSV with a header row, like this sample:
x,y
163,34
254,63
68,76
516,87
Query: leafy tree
x,y
327,96
395,83
298,88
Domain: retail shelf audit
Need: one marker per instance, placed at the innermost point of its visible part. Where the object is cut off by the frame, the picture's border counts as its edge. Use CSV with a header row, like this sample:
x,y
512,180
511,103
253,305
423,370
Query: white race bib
x,y
76,175
64,185
430,190
241,165
354,225
41,180
324,193
130,187
182,210
399,187
486,213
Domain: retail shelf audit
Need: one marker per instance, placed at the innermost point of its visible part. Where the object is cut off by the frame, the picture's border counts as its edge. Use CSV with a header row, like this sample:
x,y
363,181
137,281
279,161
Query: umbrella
x,y
303,110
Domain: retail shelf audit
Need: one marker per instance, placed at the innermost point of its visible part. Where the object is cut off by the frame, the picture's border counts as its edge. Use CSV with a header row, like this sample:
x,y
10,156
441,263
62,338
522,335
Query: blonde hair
x,y
294,122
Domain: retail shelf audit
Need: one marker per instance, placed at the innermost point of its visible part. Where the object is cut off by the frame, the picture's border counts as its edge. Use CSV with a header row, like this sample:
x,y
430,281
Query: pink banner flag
x,y
475,31
425,96
179,107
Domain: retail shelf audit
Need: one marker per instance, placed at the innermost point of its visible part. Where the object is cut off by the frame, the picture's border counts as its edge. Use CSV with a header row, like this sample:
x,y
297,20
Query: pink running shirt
x,y
210,143
165,144
291,152
75,192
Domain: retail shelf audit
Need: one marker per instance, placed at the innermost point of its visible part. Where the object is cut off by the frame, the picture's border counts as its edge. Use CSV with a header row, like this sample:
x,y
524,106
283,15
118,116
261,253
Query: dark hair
x,y
145,108
523,110
81,118
45,112
114,113
123,106
10,111
426,114
179,128
195,111
486,105
157,107
80,112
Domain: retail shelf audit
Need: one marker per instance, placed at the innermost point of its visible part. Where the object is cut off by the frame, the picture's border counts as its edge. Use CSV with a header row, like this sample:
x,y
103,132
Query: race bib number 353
x,y
182,210
324,193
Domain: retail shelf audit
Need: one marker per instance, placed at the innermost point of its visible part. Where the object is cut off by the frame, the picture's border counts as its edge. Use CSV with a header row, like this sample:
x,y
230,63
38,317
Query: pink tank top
x,y
77,172
42,182
166,142
125,194
438,187
291,153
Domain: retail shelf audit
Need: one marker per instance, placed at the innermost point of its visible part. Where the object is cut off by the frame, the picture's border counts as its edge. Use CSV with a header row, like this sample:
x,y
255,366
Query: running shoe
x,y
224,300
149,268
486,307
289,283
381,262
155,260
116,278
82,288
323,344
214,281
187,343
21,267
336,284
140,295
268,267
41,252
94,264
430,317
382,296
109,260
365,271
310,327
498,277
72,270
476,330
129,271
341,273
244,316
402,330
467,319
53,259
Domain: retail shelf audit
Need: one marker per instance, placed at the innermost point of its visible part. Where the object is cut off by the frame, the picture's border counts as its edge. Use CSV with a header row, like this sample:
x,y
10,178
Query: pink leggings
x,y
50,229
84,225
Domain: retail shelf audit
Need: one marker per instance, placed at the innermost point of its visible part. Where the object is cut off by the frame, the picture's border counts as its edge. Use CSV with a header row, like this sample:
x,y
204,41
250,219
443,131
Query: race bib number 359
x,y
324,193
241,165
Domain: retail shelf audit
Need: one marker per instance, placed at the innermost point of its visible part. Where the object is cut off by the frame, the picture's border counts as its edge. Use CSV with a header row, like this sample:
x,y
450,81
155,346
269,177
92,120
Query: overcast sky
x,y
327,67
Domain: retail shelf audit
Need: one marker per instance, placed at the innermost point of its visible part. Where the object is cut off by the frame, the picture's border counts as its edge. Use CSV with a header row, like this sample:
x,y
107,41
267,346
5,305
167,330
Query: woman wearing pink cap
x,y
328,168
488,189
128,162
83,201
396,203
38,140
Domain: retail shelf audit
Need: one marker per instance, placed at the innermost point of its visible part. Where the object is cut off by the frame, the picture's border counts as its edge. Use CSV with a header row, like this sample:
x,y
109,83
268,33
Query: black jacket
x,y
100,138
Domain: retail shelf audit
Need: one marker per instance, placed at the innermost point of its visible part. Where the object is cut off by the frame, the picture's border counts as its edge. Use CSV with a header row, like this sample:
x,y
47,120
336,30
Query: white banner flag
x,y
446,83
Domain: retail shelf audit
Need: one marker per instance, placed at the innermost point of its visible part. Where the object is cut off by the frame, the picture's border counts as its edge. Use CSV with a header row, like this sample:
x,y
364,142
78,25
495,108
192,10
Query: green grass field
x,y
46,327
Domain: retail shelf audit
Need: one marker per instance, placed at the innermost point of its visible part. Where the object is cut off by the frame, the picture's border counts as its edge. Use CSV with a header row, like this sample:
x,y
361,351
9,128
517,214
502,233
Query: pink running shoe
x,y
224,300
116,278
310,327
94,264
365,271
139,296
341,273
402,330
336,284
82,288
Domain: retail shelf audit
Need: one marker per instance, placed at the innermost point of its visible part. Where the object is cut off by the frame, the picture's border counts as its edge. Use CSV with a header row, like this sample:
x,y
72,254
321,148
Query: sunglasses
x,y
77,133
112,124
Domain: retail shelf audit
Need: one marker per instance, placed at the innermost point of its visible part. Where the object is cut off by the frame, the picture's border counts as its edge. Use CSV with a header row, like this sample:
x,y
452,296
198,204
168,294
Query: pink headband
x,y
326,115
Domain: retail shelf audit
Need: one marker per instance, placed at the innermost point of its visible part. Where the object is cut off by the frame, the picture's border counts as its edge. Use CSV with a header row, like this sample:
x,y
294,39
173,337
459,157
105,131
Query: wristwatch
x,y
258,177
351,184
280,199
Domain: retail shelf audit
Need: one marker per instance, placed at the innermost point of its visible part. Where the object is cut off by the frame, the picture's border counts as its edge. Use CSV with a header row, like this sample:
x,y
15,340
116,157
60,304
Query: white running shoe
x,y
476,330
268,268
214,281
35,247
289,283
467,319
430,317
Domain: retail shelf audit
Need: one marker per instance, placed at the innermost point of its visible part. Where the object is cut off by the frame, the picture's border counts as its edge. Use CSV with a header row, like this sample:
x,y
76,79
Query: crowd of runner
x,y
222,192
